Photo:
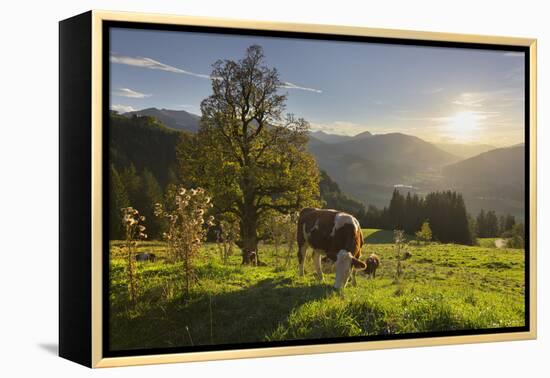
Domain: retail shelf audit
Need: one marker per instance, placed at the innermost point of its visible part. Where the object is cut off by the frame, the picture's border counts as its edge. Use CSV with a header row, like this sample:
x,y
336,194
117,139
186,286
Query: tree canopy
x,y
248,154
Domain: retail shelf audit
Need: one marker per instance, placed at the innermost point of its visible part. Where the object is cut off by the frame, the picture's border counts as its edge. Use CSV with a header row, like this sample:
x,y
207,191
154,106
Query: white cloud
x,y
490,99
471,100
127,92
122,108
339,127
289,85
144,62
152,64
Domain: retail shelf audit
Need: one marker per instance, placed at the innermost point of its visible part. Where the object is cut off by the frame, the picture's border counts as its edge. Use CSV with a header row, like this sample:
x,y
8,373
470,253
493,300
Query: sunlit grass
x,y
443,287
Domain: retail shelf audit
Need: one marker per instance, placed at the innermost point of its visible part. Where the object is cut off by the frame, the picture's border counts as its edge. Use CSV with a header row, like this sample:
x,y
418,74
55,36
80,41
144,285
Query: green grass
x,y
444,287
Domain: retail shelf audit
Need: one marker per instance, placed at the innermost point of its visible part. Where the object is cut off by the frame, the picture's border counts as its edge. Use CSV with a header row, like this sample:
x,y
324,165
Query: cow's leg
x,y
353,279
302,249
317,254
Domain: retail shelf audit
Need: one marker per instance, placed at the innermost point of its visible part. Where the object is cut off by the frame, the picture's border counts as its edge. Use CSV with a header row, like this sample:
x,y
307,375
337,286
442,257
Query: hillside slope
x,y
144,143
493,179
464,151
399,149
173,119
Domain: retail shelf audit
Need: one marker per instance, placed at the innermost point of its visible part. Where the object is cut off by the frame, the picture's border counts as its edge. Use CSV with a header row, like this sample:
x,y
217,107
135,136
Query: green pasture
x,y
443,287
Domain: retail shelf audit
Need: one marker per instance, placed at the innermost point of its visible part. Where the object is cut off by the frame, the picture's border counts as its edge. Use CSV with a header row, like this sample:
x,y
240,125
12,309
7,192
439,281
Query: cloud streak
x,y
339,127
144,62
122,108
127,92
152,64
490,99
471,100
289,85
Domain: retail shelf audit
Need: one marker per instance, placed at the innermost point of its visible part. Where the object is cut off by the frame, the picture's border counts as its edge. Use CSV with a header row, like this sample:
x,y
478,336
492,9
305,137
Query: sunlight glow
x,y
463,125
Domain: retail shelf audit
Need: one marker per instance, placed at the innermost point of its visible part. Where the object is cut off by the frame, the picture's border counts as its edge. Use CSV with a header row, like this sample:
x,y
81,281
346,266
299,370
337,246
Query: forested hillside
x,y
173,119
143,164
145,143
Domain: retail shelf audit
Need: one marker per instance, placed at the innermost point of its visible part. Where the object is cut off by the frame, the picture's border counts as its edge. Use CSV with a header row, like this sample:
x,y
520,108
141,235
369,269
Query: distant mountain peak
x,y
175,119
325,137
331,138
364,134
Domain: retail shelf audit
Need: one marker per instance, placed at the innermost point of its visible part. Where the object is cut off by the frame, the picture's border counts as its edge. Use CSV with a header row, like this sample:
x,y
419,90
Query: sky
x,y
440,94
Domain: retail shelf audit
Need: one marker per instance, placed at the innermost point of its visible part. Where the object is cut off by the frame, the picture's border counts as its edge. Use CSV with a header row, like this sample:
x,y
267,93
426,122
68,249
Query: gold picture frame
x,y
92,25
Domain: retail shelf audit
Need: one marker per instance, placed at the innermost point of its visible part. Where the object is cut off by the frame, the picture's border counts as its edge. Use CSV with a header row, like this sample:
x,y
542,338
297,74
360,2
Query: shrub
x,y
134,231
282,231
425,232
515,236
226,235
187,228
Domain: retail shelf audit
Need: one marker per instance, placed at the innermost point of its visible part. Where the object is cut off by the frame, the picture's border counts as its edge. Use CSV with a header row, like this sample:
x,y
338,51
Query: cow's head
x,y
345,262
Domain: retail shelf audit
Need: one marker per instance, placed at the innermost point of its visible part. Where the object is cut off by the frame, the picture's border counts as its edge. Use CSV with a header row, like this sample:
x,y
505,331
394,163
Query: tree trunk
x,y
249,220
249,239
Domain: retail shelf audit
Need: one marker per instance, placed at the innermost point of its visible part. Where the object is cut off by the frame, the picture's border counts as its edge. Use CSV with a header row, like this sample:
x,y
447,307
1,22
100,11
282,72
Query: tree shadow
x,y
241,316
380,237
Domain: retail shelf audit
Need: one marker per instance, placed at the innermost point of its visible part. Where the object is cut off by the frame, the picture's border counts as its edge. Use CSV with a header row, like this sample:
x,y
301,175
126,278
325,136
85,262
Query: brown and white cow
x,y
334,233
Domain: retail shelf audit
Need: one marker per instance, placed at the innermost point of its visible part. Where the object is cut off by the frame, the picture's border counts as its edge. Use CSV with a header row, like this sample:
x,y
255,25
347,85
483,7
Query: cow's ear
x,y
358,264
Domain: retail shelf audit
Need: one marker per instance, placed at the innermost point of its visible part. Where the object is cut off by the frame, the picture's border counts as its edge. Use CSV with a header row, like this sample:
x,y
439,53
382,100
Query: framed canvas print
x,y
234,189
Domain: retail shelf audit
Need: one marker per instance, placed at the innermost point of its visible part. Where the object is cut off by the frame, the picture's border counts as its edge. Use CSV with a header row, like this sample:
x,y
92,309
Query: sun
x,y
463,125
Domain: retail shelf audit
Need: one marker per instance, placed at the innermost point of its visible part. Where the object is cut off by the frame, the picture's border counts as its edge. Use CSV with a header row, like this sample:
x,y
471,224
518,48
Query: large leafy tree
x,y
249,154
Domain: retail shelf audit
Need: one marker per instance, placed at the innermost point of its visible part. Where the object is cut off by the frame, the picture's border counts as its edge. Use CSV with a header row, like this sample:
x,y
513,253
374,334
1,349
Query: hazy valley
x,y
369,166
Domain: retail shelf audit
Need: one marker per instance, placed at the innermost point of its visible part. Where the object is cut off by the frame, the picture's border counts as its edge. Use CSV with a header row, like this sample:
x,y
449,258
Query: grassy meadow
x,y
443,287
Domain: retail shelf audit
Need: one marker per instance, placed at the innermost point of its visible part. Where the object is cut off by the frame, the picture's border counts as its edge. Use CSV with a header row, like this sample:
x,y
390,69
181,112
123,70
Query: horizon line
x,y
351,135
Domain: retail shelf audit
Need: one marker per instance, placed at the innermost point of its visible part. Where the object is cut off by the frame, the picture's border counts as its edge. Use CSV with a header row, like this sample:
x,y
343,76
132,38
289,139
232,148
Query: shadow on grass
x,y
380,237
241,316
384,237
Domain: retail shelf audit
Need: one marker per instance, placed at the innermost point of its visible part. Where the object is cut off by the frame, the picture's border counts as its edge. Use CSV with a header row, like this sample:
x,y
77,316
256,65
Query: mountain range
x,y
464,150
173,119
336,138
494,179
367,167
